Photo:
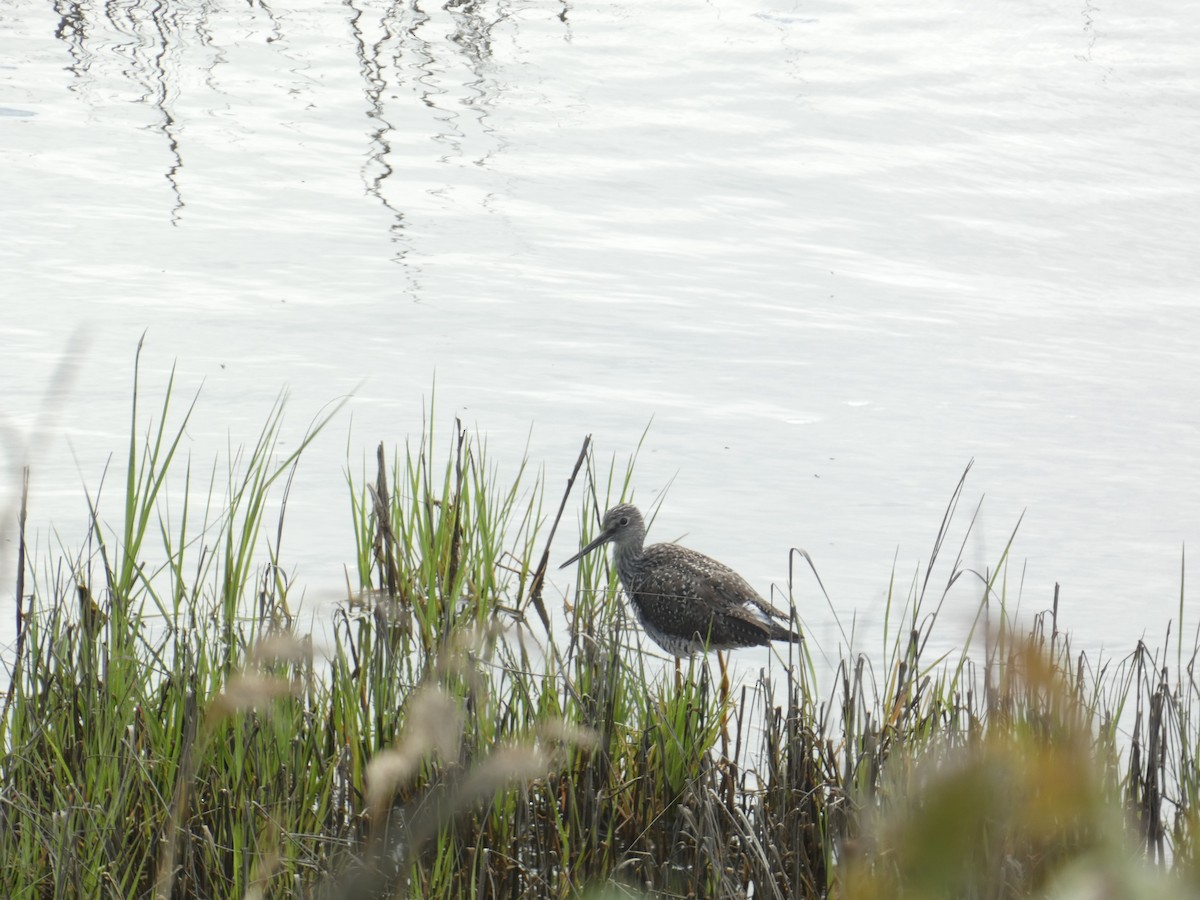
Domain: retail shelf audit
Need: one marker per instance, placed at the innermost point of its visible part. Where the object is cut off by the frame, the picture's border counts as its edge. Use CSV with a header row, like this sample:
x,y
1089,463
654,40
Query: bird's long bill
x,y
602,539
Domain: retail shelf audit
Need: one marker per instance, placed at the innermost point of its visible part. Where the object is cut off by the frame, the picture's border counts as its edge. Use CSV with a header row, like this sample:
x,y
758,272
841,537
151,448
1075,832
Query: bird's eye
x,y
624,520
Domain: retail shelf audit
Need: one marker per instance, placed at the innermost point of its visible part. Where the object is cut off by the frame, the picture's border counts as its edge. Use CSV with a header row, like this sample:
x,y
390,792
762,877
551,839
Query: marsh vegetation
x,y
171,728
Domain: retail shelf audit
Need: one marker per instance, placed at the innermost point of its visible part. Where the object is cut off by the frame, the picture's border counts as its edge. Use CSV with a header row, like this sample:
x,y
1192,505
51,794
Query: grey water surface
x,y
829,252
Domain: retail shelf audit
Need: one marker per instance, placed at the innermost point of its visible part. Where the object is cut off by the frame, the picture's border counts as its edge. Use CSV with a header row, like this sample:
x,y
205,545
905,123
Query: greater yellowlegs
x,y
686,601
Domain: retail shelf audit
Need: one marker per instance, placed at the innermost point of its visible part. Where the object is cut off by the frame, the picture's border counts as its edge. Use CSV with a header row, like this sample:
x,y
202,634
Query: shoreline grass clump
x,y
170,730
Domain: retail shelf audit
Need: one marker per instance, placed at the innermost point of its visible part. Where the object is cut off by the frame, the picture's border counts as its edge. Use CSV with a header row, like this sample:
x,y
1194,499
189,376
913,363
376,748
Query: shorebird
x,y
686,601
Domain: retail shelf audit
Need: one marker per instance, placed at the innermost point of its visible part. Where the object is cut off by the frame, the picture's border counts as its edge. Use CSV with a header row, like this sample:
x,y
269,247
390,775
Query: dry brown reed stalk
x,y
1147,769
385,539
539,576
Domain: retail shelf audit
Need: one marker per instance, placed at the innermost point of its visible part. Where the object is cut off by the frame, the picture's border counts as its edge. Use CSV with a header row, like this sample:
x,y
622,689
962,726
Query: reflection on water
x,y
427,76
405,54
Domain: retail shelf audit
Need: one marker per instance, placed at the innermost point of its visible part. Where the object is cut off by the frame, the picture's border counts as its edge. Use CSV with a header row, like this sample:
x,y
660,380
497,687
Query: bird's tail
x,y
780,633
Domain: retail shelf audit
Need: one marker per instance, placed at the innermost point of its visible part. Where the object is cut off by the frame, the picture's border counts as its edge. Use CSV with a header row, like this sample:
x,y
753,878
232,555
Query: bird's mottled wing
x,y
691,593
727,586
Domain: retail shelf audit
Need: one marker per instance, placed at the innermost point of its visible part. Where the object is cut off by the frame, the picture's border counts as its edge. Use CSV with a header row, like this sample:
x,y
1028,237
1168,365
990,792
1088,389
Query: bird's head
x,y
623,526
